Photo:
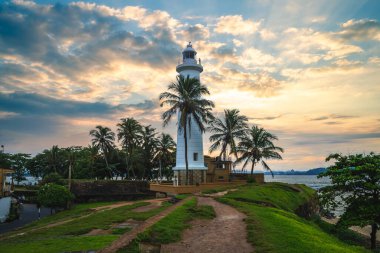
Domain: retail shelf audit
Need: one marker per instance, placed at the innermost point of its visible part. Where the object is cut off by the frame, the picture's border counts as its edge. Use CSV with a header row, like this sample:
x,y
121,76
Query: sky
x,y
307,71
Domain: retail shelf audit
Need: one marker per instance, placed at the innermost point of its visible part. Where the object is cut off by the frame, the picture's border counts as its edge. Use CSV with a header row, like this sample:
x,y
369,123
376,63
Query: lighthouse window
x,y
195,156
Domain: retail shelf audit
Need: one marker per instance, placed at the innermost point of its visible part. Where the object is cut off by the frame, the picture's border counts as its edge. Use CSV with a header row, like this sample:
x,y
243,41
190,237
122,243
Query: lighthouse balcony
x,y
189,66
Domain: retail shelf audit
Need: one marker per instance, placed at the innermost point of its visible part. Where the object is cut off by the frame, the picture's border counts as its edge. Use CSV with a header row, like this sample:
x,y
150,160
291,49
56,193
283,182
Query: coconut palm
x,y
103,138
165,148
149,143
186,96
129,132
256,146
226,131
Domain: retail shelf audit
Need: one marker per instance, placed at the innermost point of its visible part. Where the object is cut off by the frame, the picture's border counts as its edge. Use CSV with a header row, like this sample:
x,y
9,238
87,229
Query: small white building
x,y
197,169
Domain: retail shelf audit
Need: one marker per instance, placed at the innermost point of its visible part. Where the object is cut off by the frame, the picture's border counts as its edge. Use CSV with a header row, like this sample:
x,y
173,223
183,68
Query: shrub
x,y
54,196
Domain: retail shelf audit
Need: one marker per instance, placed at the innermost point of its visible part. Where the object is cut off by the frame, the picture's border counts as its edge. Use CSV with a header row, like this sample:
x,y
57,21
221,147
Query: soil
x,y
224,234
154,203
126,238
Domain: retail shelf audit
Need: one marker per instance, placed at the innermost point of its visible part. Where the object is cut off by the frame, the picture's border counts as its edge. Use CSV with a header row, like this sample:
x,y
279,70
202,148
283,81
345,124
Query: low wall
x,y
107,190
191,188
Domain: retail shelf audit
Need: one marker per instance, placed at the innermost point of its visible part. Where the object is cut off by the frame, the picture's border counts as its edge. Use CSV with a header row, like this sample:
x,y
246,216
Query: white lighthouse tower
x,y
197,169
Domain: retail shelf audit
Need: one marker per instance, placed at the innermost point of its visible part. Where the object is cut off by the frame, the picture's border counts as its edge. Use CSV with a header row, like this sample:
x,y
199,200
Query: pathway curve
x,y
225,234
127,238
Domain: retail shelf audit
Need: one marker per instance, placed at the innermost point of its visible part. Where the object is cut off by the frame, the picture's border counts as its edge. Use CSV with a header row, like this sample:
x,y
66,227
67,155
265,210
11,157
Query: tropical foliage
x,y
226,131
185,97
355,184
257,145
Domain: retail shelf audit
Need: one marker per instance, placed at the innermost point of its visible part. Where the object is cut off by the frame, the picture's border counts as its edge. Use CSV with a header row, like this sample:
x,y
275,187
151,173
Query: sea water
x,y
310,180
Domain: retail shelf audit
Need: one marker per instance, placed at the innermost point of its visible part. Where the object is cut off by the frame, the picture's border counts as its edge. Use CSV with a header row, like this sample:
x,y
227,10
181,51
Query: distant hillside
x,y
315,171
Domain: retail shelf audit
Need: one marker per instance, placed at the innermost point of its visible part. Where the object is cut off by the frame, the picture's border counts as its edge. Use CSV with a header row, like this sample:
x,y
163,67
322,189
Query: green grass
x,y
220,189
169,229
73,232
274,227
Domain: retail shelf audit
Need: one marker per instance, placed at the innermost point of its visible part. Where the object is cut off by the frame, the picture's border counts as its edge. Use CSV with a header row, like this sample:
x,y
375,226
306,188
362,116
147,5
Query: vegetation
x,y
226,131
142,151
54,196
273,225
72,226
186,97
169,229
356,185
256,146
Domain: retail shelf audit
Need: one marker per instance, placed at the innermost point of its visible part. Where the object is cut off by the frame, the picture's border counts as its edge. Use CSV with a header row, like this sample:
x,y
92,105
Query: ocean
x,y
310,180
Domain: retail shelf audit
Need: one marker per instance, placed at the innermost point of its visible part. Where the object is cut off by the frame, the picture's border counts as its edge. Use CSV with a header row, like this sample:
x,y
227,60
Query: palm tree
x,y
226,130
186,96
53,157
256,146
103,138
165,148
149,146
129,133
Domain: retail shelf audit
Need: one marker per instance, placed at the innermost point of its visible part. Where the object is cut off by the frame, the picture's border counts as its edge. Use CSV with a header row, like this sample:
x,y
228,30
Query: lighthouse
x,y
192,68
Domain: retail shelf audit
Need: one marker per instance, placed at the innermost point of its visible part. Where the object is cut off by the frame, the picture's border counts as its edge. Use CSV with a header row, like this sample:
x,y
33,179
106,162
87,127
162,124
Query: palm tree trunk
x,y
70,176
105,158
253,166
373,235
186,160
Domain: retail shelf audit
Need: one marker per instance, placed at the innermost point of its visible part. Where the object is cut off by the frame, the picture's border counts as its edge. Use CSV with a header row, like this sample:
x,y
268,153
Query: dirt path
x,y
224,234
154,202
126,238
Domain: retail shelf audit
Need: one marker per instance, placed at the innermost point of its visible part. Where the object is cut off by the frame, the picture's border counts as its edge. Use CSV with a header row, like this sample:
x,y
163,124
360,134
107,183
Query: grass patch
x,y
120,231
274,227
169,229
220,189
73,232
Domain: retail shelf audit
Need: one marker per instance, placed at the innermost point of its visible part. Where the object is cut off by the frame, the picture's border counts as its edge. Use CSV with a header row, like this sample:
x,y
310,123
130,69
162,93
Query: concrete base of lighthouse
x,y
196,177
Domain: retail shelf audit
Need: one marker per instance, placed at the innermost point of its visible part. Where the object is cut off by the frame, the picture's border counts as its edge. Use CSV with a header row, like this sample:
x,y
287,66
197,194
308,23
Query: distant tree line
x,y
143,152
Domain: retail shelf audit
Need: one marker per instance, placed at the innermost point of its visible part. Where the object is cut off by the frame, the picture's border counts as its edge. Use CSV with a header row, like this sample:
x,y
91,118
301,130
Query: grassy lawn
x,y
71,235
274,227
170,228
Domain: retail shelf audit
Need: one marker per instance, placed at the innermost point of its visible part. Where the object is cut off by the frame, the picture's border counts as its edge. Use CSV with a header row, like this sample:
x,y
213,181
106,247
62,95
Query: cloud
x,y
360,30
195,32
313,46
80,38
266,117
333,116
34,104
236,25
334,138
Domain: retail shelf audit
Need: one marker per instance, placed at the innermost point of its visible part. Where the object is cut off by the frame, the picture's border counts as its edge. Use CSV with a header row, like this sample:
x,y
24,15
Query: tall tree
x,y
226,131
186,97
149,144
18,164
165,149
129,132
103,138
256,146
355,184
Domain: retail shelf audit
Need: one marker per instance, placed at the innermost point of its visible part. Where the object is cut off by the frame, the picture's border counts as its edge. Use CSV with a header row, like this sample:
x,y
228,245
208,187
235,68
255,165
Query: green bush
x,y
54,196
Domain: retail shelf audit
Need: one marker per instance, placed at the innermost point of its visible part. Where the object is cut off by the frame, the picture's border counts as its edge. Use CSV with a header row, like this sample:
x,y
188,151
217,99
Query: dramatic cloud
x,y
236,25
361,30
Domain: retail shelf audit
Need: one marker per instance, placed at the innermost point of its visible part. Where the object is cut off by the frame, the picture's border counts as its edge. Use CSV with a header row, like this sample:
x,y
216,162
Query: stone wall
x,y
107,190
195,176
